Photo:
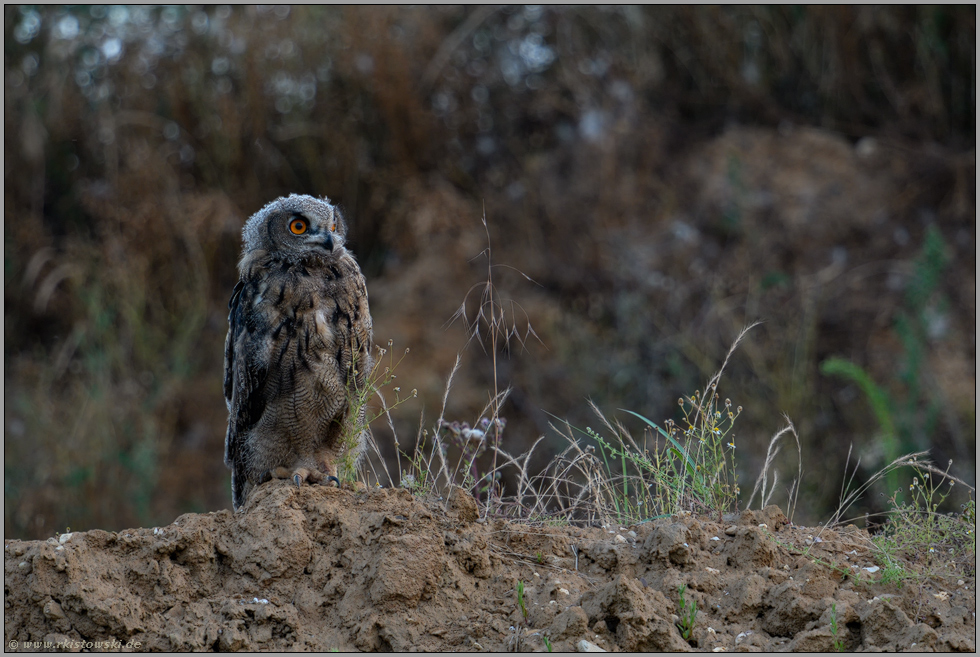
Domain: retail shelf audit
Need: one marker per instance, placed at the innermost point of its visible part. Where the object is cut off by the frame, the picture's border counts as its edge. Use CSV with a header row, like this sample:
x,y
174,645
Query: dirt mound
x,y
318,568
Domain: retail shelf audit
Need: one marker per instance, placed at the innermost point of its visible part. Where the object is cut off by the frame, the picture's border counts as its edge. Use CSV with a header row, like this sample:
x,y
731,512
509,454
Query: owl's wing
x,y
362,328
246,368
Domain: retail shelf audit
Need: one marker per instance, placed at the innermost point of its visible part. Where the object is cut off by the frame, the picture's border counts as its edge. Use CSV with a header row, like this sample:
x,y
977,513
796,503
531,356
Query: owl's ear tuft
x,y
339,222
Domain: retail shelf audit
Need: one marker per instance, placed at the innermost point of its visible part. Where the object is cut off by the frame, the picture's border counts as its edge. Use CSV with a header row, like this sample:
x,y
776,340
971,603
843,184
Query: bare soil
x,y
317,568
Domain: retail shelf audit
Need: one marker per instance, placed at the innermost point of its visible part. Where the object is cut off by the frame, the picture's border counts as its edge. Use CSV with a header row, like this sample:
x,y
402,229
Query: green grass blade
x,y
678,448
877,397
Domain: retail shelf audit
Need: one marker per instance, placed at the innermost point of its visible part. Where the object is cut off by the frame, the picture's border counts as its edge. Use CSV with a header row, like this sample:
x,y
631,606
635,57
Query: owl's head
x,y
295,227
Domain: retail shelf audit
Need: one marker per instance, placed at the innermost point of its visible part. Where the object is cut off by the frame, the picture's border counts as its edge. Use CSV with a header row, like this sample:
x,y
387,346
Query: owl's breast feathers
x,y
297,329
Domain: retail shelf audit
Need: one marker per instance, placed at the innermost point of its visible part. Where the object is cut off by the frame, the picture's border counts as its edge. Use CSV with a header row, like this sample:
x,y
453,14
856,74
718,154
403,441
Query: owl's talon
x,y
334,479
265,476
297,479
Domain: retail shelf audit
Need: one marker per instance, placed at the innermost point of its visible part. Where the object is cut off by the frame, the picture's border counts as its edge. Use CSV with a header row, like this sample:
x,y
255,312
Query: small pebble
x,y
588,646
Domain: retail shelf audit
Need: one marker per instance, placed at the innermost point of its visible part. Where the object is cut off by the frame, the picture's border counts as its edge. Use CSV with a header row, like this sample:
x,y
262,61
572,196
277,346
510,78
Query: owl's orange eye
x,y
297,226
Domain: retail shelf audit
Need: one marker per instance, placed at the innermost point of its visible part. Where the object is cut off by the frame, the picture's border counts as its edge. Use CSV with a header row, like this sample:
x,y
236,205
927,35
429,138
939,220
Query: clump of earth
x,y
321,568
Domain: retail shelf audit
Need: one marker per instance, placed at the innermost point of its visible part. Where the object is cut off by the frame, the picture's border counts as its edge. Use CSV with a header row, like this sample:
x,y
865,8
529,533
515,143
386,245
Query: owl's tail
x,y
240,488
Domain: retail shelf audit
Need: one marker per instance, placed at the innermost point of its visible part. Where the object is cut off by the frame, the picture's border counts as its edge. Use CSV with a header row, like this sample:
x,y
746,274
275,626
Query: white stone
x,y
588,646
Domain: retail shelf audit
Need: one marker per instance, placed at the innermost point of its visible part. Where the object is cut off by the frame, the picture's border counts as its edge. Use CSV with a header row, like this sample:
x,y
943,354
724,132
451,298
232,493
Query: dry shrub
x,y
138,138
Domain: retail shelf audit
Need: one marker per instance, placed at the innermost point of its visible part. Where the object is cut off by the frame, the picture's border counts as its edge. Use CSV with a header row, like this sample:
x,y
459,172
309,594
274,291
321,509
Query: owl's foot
x,y
299,475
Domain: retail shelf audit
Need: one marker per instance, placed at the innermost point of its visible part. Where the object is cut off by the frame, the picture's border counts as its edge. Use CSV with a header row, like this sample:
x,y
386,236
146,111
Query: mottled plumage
x,y
299,340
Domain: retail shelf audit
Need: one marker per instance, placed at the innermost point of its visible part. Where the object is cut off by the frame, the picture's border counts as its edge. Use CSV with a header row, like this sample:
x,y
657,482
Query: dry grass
x,y
765,487
581,484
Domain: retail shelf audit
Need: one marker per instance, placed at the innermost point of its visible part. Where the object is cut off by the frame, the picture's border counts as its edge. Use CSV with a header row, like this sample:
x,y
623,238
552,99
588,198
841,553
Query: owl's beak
x,y
328,242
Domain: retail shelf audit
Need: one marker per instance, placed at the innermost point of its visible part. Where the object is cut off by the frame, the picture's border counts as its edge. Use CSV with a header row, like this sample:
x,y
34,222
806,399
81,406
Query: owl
x,y
299,343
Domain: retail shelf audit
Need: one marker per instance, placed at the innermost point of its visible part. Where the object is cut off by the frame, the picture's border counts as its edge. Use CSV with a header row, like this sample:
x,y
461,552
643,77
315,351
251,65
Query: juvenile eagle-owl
x,y
299,342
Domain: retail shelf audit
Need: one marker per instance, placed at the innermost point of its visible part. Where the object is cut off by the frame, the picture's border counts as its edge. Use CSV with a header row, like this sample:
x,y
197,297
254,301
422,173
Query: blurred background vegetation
x,y
664,175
